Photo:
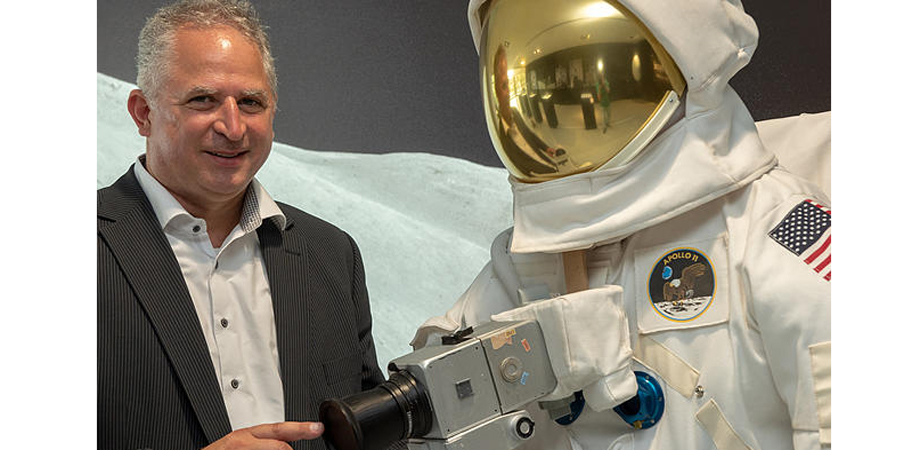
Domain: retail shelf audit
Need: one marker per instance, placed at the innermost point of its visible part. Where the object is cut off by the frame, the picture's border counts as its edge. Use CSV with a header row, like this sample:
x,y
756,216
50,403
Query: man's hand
x,y
270,436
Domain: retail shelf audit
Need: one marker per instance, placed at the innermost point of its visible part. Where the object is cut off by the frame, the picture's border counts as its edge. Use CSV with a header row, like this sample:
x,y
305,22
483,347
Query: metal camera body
x,y
478,385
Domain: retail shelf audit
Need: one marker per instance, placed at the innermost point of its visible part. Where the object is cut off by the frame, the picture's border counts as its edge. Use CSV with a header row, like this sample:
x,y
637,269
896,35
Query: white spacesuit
x,y
682,250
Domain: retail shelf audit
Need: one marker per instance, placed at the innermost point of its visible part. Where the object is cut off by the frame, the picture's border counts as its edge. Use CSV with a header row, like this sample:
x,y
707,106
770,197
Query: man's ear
x,y
139,108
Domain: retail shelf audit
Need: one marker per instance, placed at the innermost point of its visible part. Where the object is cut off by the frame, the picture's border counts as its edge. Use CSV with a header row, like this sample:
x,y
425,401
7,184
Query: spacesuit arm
x,y
587,340
790,305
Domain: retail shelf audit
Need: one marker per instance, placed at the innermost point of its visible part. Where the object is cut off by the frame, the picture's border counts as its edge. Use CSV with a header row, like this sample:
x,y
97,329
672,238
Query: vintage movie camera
x,y
468,393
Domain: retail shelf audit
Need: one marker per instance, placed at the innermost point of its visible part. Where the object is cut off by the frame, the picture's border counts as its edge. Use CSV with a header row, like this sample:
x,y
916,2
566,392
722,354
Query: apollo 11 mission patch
x,y
682,284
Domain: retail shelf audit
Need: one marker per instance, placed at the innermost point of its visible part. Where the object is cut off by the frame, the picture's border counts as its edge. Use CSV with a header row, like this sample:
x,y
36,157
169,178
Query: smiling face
x,y
209,128
502,91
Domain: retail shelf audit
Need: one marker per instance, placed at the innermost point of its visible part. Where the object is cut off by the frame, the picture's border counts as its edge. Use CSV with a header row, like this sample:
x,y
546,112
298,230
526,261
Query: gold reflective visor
x,y
569,84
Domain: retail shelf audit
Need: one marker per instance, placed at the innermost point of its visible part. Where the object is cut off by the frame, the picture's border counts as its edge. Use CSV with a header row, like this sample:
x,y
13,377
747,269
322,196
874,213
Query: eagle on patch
x,y
682,288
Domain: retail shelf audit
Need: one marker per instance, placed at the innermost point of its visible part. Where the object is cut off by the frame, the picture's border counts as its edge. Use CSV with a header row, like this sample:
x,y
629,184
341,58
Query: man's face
x,y
502,91
211,121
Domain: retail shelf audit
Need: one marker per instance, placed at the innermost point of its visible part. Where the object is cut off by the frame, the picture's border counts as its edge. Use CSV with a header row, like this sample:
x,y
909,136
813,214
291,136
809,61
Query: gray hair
x,y
156,42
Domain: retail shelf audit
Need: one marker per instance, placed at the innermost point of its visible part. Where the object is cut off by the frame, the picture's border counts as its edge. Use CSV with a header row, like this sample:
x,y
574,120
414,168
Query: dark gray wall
x,y
401,75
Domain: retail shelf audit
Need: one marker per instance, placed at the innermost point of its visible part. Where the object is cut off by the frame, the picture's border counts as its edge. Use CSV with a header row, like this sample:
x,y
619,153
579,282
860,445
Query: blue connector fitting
x,y
646,408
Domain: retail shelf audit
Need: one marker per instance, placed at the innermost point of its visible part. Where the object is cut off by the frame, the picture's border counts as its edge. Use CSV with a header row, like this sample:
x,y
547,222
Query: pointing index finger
x,y
288,431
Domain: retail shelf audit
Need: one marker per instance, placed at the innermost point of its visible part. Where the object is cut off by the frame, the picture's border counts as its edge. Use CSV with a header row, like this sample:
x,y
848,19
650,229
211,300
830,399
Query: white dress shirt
x,y
229,287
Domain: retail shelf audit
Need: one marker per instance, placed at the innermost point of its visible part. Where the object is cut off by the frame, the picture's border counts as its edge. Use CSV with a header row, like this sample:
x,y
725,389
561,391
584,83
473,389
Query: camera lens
x,y
373,420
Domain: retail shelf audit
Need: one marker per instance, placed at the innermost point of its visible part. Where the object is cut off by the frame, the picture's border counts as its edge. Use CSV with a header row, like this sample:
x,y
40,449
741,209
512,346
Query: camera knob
x,y
511,369
524,427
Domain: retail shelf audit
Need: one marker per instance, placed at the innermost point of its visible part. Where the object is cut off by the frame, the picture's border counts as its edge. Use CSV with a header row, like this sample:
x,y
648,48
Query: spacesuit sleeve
x,y
787,269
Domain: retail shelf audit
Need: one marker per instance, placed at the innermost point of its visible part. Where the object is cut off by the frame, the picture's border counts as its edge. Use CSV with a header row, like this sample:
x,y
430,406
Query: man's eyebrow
x,y
200,90
261,93
203,90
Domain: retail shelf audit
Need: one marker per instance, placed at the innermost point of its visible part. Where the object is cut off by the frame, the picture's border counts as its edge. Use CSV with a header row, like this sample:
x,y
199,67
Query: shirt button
x,y
196,228
224,323
234,383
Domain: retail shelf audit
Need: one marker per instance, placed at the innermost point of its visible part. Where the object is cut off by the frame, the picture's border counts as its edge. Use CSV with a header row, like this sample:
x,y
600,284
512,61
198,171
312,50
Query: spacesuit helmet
x,y
570,86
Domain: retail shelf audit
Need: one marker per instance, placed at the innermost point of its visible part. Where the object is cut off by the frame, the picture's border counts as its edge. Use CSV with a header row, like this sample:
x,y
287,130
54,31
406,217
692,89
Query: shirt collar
x,y
257,203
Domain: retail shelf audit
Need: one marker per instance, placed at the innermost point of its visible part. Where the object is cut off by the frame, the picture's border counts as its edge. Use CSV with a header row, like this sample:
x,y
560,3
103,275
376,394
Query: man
x,y
225,318
680,276
524,148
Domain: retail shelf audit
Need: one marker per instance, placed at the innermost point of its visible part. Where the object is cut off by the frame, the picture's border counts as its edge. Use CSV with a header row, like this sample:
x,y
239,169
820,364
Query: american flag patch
x,y
806,232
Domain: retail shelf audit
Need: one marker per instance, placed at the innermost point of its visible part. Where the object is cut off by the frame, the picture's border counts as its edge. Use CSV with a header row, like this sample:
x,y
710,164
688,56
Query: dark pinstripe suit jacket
x,y
156,383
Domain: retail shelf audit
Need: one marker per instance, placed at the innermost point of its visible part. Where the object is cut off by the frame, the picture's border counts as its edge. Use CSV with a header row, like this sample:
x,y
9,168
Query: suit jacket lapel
x,y
130,228
287,267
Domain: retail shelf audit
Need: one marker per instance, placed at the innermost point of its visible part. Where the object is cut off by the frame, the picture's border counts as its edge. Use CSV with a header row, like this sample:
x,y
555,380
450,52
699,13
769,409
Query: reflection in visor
x,y
568,84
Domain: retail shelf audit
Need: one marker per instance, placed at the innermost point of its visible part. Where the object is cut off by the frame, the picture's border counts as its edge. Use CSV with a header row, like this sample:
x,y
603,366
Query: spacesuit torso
x,y
724,262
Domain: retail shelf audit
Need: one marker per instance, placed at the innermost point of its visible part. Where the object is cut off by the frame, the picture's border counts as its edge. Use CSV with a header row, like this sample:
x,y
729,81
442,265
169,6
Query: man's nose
x,y
229,122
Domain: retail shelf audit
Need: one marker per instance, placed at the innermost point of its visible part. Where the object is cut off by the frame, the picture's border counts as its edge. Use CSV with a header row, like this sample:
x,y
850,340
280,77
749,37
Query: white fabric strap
x,y
723,435
679,375
821,374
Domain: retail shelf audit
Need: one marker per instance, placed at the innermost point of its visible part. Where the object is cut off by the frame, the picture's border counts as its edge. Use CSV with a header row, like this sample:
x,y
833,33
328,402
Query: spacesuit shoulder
x,y
803,145
787,243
